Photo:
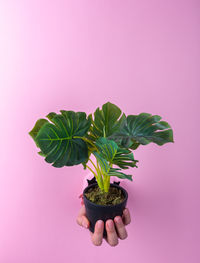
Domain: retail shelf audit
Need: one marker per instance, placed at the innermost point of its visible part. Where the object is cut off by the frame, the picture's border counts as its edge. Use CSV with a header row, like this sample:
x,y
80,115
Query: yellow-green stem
x,y
94,165
92,171
98,173
97,178
106,183
100,180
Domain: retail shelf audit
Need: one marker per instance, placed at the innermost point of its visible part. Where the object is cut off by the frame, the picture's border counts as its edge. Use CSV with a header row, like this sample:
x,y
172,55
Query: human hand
x,y
115,229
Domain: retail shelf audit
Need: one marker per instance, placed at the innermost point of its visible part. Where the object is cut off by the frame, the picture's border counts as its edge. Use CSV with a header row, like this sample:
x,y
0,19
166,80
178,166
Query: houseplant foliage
x,y
71,138
109,137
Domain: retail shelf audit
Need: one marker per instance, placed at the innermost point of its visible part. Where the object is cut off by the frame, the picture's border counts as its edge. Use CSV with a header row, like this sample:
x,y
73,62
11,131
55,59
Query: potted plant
x,y
109,137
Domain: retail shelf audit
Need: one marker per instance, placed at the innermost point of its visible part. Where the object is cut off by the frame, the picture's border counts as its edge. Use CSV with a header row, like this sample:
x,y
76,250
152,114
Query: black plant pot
x,y
95,212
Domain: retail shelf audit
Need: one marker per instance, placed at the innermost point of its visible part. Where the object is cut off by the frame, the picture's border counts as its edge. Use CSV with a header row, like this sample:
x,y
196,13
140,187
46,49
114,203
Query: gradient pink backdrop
x,y
76,55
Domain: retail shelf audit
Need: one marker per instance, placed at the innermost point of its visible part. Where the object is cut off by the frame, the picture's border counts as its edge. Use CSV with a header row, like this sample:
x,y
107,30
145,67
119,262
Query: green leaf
x,y
51,115
143,129
107,148
106,169
116,172
42,154
106,121
102,162
110,151
134,144
62,141
124,158
38,125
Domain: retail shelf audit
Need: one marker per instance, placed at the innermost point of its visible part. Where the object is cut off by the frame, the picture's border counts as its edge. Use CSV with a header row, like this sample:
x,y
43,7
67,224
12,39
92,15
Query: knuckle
x,y
122,237
98,230
116,218
114,244
128,221
97,242
110,229
127,217
122,233
118,221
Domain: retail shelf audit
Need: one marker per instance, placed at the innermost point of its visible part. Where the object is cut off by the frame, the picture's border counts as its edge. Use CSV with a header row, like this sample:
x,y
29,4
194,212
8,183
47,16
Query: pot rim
x,y
115,185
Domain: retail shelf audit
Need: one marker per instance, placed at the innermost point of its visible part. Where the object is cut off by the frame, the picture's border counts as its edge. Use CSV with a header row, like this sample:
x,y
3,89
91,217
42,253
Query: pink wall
x,y
142,55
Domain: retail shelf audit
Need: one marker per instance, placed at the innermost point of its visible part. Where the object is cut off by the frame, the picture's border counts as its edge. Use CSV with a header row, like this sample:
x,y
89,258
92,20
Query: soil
x,y
113,197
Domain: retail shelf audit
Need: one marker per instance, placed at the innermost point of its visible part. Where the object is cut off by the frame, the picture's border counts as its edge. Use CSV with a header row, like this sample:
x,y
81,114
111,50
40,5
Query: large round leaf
x,y
110,151
62,140
106,121
107,148
143,129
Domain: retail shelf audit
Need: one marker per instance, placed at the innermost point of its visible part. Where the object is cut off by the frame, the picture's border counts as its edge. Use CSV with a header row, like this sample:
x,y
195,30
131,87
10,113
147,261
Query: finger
x,y
126,217
120,227
82,211
85,222
112,238
82,201
97,237
82,219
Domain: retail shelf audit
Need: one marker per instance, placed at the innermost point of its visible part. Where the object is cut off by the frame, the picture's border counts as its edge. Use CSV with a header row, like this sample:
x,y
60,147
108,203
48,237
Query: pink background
x,y
142,55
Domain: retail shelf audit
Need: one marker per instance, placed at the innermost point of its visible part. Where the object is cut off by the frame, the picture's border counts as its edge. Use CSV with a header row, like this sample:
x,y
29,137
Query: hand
x,y
115,229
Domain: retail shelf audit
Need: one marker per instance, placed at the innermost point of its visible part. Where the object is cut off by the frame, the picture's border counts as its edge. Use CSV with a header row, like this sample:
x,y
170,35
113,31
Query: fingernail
x,y
85,225
125,211
110,225
99,224
118,220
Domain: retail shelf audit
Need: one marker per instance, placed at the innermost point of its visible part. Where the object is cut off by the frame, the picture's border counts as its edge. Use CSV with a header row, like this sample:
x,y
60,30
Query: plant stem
x,y
98,173
86,140
101,181
97,178
104,132
91,171
93,165
106,182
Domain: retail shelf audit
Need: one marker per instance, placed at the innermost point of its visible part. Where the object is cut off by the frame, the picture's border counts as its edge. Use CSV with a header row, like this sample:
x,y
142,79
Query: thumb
x,y
81,218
